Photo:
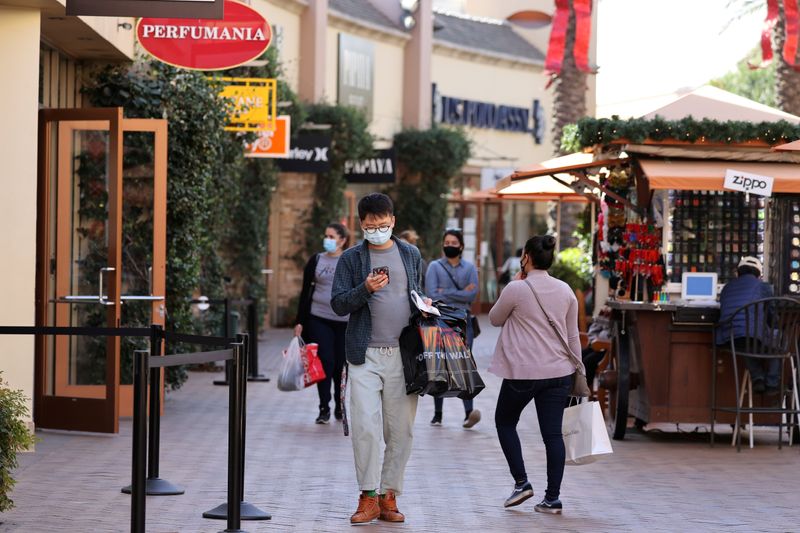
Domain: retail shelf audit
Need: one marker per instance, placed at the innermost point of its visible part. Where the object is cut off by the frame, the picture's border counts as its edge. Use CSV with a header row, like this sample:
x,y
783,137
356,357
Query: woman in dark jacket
x,y
320,324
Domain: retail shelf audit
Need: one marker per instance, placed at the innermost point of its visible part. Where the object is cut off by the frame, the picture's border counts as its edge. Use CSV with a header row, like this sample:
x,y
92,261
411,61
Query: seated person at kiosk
x,y
746,288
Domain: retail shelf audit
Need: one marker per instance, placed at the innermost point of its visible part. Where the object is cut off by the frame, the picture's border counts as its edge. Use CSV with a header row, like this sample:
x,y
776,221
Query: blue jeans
x,y
438,403
329,334
549,396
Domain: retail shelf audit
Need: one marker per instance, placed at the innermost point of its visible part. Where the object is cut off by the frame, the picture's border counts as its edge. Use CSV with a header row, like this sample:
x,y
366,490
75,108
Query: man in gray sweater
x,y
373,284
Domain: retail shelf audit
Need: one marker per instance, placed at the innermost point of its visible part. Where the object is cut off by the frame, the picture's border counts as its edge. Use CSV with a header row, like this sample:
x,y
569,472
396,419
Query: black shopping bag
x,y
424,364
436,360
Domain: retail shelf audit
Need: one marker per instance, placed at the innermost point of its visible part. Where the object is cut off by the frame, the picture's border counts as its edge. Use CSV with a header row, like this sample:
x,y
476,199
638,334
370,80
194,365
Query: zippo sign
x,y
203,44
736,180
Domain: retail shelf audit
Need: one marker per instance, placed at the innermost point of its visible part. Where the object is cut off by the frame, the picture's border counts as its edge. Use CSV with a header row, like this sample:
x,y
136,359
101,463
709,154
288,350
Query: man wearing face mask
x,y
317,321
373,284
454,281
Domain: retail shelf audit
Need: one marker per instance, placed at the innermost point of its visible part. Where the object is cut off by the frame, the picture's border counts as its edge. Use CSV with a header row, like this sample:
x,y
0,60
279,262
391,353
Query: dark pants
x,y
591,360
549,396
438,403
329,334
767,371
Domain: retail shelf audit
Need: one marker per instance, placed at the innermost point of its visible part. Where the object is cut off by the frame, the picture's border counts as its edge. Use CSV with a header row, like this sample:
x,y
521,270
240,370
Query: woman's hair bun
x,y
548,242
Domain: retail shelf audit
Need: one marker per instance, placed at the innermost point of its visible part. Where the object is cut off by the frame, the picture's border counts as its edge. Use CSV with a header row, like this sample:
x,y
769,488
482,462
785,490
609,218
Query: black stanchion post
x,y
139,463
248,510
226,326
252,329
155,485
234,440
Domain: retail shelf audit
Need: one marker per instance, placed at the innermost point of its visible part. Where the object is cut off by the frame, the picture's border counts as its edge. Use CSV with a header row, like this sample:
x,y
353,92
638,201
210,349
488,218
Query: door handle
x,y
143,298
103,298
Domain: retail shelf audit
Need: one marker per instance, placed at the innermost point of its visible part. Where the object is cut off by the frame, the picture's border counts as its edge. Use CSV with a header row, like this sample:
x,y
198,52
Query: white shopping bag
x,y
292,370
585,435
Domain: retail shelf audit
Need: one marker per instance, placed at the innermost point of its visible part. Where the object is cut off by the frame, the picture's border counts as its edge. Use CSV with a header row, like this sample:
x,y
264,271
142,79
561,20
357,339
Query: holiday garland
x,y
599,131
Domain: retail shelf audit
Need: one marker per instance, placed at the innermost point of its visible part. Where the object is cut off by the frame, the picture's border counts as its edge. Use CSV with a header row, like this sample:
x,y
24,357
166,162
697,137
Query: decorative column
x,y
313,35
417,97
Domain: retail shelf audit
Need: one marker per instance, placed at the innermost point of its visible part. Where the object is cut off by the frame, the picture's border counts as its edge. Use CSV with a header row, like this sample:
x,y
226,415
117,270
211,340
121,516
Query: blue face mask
x,y
378,238
329,245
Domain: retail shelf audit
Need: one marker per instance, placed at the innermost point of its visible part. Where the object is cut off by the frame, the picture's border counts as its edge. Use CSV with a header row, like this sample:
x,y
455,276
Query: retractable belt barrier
x,y
253,373
145,480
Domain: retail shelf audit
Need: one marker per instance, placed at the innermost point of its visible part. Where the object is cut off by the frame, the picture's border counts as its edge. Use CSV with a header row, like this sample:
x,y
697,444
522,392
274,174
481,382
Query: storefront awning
x,y
693,175
553,178
541,188
788,147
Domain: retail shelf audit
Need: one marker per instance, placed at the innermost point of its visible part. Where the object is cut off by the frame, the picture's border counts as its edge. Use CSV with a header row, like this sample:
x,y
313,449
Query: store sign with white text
x,y
380,168
183,9
309,153
487,115
272,143
736,180
201,44
356,73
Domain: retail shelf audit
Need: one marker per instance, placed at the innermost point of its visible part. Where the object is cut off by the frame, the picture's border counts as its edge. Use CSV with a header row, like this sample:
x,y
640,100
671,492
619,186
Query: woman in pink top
x,y
530,358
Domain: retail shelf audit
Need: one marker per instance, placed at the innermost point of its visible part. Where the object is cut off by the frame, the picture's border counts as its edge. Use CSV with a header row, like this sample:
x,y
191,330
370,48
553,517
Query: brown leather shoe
x,y
368,510
388,506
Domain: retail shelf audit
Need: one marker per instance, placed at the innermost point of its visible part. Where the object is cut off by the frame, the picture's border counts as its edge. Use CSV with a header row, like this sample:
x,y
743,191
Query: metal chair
x,y
771,326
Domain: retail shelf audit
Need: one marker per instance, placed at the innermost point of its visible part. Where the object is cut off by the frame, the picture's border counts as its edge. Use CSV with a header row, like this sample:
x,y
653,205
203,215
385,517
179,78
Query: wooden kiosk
x,y
664,209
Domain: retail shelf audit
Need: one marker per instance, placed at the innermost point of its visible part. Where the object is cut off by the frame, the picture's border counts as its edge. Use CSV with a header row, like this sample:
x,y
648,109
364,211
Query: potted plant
x,y
15,437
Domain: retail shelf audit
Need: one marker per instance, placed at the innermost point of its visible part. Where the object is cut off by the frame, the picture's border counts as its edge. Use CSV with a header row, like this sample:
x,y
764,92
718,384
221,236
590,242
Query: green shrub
x,y
427,160
14,438
573,267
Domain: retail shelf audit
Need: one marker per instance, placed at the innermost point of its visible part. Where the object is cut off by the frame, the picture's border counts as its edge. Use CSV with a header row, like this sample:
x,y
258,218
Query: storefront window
x,y
712,231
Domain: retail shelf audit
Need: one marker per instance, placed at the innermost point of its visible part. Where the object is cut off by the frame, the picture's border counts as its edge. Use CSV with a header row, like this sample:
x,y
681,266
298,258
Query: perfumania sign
x,y
202,44
477,114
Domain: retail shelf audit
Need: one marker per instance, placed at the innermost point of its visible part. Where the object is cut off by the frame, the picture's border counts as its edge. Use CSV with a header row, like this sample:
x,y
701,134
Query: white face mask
x,y
378,238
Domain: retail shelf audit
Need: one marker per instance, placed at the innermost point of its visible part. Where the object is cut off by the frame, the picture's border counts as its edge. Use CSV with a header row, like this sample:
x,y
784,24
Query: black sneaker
x,y
520,494
337,413
759,386
545,506
324,416
437,419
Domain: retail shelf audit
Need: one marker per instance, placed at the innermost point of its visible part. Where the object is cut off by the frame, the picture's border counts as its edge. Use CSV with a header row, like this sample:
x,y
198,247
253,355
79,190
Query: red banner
x,y
583,33
766,35
558,38
792,26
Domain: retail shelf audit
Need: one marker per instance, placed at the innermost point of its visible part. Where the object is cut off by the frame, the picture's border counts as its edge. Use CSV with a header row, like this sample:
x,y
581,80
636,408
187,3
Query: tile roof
x,y
485,35
364,10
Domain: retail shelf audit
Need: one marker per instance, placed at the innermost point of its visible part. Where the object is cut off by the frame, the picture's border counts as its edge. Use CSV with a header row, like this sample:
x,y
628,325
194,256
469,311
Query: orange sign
x,y
272,143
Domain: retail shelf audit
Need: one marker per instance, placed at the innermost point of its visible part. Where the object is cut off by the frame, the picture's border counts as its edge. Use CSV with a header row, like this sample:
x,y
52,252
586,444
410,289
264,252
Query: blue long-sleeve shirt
x,y
439,286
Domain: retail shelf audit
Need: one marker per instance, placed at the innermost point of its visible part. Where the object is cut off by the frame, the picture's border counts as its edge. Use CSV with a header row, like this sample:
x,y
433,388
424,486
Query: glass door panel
x,y
101,259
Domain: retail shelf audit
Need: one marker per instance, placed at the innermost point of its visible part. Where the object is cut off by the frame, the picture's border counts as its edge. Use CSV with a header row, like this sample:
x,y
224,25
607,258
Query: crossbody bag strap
x,y
578,363
449,274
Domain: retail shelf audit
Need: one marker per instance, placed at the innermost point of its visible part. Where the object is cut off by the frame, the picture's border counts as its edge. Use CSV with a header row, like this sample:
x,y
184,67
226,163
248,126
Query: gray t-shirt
x,y
321,300
389,306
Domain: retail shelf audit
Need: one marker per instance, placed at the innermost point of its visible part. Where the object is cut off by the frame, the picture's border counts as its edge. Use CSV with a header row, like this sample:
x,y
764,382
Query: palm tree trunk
x,y
787,80
569,97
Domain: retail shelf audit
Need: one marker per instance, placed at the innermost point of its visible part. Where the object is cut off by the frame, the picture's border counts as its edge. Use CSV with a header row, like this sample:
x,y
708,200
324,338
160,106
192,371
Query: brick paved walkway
x,y
456,480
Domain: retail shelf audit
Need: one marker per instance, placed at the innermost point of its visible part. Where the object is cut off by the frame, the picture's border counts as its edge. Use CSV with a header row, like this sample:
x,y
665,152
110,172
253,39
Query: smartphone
x,y
381,270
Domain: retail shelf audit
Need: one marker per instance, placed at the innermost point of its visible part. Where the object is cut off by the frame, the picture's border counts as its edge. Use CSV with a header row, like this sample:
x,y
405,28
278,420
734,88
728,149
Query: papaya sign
x,y
205,44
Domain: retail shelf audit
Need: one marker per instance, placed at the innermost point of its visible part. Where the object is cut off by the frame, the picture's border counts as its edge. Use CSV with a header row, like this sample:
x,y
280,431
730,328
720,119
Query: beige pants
x,y
379,405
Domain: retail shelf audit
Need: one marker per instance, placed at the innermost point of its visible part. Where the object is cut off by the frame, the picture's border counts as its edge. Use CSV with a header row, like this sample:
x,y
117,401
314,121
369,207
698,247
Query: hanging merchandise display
x,y
630,245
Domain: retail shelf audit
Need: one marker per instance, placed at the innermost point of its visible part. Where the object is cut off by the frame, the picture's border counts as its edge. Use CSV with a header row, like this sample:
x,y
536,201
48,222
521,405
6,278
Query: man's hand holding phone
x,y
378,279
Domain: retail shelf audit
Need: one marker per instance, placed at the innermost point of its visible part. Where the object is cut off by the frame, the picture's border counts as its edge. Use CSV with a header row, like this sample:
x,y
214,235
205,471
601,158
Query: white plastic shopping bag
x,y
585,434
292,369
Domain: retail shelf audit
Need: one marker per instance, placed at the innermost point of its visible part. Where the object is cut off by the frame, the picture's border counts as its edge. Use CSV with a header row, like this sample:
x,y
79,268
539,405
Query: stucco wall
x,y
498,83
19,57
287,16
